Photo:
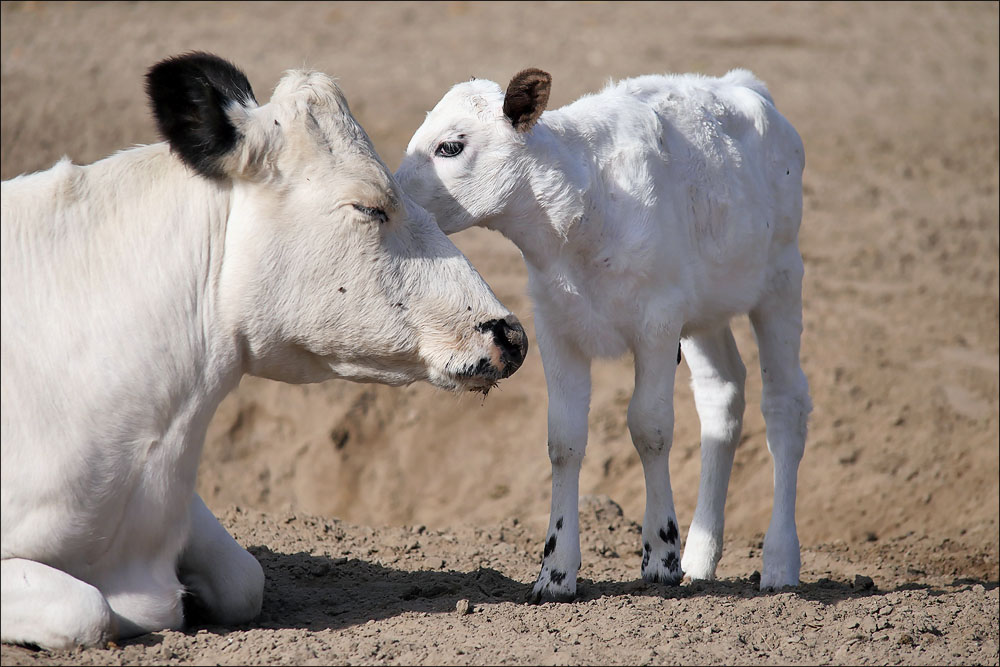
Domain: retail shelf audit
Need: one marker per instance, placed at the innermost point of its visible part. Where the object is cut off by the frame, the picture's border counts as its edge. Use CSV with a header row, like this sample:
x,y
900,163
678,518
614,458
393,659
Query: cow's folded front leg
x,y
225,580
51,609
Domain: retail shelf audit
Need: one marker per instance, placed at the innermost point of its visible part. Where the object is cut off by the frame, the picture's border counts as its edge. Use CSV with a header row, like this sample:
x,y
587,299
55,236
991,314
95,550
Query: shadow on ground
x,y
315,592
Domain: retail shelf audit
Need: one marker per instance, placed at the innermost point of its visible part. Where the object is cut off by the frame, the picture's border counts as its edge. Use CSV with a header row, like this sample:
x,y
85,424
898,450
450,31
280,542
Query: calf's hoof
x,y
782,563
553,586
668,578
661,566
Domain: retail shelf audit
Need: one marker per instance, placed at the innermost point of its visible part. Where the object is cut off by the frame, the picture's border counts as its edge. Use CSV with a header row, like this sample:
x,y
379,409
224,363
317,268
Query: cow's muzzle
x,y
510,339
510,344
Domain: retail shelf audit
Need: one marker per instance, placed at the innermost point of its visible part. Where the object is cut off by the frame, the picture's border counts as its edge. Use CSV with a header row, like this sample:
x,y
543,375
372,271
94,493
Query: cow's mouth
x,y
481,376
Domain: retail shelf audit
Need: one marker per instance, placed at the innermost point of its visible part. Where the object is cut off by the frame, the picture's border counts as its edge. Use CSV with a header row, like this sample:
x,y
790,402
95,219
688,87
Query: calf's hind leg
x,y
50,608
718,378
777,325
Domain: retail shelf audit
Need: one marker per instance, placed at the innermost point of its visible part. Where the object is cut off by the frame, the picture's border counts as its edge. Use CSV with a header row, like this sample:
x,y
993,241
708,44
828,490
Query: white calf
x,y
138,290
647,214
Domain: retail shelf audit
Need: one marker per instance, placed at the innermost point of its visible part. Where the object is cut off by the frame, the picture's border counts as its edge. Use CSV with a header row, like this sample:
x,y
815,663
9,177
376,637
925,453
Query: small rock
x,y
863,583
852,623
463,607
905,640
868,624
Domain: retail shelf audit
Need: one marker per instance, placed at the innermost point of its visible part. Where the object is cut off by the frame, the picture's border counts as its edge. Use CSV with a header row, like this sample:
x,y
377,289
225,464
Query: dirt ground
x,y
377,511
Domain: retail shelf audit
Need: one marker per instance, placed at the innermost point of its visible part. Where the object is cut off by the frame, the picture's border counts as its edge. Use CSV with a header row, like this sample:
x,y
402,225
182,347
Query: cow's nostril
x,y
509,336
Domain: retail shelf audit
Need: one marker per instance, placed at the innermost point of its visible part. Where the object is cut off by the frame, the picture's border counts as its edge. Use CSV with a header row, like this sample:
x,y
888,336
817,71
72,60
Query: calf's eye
x,y
449,148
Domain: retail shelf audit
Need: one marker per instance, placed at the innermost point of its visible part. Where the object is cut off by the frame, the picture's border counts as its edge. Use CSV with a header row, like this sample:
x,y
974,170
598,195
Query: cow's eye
x,y
372,212
449,148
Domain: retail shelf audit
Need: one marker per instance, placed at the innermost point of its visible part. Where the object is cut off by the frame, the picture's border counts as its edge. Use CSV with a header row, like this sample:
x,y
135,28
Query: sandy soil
x,y
376,511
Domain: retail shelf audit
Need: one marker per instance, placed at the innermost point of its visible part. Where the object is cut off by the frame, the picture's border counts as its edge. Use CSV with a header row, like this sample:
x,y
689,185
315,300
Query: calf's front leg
x,y
567,374
785,403
651,424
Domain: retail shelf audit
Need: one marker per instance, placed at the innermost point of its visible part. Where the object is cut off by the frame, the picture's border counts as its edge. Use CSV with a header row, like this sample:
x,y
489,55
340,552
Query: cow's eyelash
x,y
372,212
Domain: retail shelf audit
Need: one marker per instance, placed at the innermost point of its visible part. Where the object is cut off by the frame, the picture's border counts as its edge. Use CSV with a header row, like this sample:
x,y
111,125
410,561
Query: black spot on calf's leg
x,y
559,524
670,537
550,546
557,577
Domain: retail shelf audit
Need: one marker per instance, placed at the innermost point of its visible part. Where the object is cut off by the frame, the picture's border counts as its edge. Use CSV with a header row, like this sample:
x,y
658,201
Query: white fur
x,y
136,293
648,214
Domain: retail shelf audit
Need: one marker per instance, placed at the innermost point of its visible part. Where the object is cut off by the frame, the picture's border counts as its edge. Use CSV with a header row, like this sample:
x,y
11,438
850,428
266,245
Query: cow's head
x,y
467,162
329,270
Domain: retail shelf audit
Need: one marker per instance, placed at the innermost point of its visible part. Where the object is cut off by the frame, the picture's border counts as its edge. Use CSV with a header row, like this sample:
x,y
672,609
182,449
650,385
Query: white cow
x,y
136,292
648,214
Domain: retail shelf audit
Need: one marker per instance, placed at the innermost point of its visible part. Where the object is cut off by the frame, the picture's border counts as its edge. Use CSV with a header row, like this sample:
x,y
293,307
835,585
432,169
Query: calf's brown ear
x,y
526,97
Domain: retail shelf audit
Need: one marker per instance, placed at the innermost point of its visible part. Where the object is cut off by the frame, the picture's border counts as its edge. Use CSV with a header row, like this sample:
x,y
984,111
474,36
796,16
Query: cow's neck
x,y
151,261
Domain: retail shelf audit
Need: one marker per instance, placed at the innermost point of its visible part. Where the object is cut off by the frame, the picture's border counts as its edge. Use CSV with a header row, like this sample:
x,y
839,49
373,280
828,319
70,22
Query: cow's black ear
x,y
190,95
526,97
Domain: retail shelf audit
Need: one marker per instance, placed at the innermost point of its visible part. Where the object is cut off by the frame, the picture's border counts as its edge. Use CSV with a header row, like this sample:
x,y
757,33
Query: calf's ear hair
x,y
526,97
190,94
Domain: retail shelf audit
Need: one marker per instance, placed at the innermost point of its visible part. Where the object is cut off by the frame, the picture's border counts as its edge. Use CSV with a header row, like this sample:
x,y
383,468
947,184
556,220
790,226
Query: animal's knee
x,y
787,418
247,594
52,609
562,453
651,426
89,621
787,403
233,592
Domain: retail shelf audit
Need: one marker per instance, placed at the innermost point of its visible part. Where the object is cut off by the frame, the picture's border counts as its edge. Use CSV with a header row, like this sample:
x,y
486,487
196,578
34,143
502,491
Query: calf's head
x,y
328,269
466,162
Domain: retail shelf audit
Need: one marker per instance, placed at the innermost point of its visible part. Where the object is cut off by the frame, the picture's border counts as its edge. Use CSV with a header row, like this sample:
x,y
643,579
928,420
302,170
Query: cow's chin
x,y
395,375
475,378
464,380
